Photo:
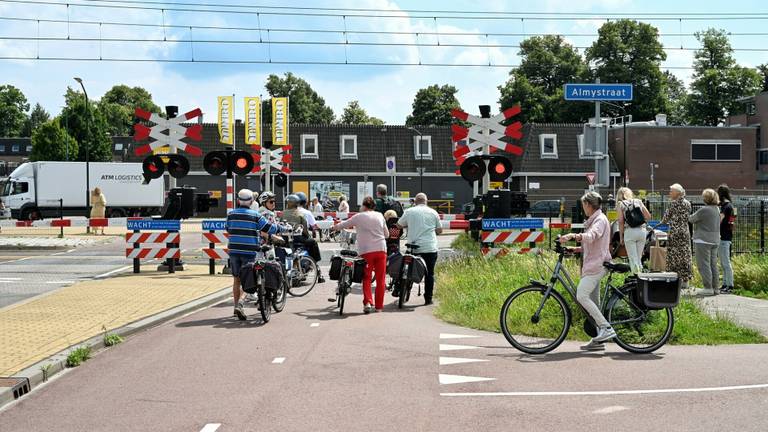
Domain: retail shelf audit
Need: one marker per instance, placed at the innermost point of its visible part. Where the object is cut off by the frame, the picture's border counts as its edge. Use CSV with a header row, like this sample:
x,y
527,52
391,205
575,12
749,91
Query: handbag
x,y
658,258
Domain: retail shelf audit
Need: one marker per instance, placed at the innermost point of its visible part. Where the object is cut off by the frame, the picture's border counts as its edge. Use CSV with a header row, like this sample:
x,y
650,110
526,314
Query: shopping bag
x,y
658,258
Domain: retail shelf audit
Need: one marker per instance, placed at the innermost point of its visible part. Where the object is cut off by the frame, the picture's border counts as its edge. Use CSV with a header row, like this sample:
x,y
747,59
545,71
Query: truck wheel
x,y
116,213
31,214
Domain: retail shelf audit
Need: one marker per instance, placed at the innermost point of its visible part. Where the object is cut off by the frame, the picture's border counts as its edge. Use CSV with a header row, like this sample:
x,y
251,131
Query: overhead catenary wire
x,y
402,14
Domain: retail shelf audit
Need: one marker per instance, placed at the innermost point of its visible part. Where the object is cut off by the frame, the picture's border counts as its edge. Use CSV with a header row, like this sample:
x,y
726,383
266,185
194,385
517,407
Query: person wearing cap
x,y
244,227
679,239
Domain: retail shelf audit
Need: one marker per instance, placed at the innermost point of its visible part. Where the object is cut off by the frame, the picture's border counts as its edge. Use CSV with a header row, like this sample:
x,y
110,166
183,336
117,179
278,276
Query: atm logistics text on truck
x,y
34,189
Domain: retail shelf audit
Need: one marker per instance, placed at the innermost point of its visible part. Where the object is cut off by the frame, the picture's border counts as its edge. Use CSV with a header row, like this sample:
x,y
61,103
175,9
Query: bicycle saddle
x,y
348,253
411,246
265,248
617,267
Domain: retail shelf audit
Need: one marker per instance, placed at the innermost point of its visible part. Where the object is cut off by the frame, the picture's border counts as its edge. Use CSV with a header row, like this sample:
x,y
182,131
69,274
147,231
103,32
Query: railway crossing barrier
x,y
517,231
153,245
213,235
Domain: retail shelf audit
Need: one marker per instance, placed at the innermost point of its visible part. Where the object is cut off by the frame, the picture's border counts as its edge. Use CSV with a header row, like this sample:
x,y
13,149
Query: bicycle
x,y
268,299
535,319
402,282
300,268
349,257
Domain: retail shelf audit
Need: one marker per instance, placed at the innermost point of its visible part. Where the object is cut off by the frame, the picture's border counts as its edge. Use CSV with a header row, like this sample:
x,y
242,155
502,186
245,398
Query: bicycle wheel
x,y
345,285
528,332
306,276
280,297
264,306
405,293
638,330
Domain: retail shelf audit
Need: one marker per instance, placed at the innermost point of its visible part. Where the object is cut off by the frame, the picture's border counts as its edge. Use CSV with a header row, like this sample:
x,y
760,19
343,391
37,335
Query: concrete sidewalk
x,y
746,311
45,325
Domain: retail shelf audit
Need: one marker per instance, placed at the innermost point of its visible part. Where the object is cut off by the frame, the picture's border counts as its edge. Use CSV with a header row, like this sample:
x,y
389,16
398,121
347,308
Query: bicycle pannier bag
x,y
248,278
418,269
394,262
658,290
357,270
633,215
335,272
273,275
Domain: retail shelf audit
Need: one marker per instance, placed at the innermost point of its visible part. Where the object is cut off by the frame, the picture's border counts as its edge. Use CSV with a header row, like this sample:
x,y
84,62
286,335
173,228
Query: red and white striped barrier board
x,y
560,225
512,236
156,237
215,237
450,217
216,254
454,224
230,194
150,253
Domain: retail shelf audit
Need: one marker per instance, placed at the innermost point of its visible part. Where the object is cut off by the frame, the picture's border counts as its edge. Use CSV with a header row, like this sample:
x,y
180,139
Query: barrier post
x,y
211,261
61,217
136,261
171,262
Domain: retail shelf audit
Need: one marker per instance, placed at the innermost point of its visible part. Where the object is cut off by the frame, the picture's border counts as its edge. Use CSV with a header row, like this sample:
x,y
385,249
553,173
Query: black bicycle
x,y
402,281
535,319
346,275
269,299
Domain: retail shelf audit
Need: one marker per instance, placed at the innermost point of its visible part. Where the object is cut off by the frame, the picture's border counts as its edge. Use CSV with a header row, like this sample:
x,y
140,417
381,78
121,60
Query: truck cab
x,y
18,194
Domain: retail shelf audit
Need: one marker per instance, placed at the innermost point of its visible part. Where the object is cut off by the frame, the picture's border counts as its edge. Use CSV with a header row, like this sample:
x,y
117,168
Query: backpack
x,y
634,216
393,204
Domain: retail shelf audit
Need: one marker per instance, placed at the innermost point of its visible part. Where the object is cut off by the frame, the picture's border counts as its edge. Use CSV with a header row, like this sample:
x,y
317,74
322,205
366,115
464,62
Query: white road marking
x,y
278,360
610,409
9,279
459,379
444,361
109,273
609,392
315,325
448,347
210,427
60,282
20,259
456,336
6,281
59,253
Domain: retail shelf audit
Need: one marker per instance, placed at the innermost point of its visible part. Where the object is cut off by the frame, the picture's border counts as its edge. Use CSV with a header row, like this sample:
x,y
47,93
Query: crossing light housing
x,y
499,168
472,169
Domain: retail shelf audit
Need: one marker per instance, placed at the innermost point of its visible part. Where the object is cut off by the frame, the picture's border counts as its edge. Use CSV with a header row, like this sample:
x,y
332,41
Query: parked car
x,y
545,209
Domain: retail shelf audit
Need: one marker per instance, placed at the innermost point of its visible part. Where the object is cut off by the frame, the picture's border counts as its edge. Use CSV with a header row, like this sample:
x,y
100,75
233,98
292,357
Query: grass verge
x,y
472,290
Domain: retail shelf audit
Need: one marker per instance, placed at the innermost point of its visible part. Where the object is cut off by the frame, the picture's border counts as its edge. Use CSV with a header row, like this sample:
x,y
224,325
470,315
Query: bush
x,y
78,356
111,339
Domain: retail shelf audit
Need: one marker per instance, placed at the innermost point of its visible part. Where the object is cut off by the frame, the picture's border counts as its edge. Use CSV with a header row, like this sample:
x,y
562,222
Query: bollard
x,y
211,261
61,217
136,261
171,262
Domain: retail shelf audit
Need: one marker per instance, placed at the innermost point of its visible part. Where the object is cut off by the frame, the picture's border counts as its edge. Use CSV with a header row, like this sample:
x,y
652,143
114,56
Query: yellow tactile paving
x,y
42,327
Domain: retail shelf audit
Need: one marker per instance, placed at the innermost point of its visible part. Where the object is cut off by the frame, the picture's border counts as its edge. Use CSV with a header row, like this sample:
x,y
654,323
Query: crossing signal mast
x,y
175,164
228,161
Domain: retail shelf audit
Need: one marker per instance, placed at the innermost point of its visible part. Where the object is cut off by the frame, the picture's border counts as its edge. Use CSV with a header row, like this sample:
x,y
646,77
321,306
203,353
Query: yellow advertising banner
x,y
226,121
280,121
252,120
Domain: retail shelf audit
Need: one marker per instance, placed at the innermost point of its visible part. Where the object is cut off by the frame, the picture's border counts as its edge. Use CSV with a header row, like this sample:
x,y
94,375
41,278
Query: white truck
x,y
37,190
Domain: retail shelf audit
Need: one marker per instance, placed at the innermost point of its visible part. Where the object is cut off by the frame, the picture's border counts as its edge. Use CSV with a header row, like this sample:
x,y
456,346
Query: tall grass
x,y
472,290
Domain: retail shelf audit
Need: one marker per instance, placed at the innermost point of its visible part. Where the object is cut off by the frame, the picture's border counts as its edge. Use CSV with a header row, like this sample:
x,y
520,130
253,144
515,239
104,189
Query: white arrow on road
x,y
459,379
445,361
456,336
448,347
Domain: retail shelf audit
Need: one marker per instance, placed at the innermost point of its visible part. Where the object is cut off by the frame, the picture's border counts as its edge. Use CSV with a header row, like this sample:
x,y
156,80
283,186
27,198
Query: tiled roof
x,y
567,161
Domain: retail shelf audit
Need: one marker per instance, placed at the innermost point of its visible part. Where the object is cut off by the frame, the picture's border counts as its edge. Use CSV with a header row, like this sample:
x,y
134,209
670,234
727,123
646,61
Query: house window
x,y
119,147
762,157
548,144
2,148
309,147
29,148
716,150
422,147
15,148
348,144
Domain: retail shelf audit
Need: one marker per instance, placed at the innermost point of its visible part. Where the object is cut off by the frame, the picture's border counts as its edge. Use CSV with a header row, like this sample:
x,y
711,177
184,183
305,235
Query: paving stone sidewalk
x,y
41,327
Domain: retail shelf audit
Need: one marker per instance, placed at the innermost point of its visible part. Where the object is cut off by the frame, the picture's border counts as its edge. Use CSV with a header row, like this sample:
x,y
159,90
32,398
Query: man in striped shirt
x,y
245,227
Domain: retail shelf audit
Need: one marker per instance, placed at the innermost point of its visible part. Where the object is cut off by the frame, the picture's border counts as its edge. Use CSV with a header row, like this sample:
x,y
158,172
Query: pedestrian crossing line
x,y
456,336
278,360
211,427
445,361
315,325
449,347
461,379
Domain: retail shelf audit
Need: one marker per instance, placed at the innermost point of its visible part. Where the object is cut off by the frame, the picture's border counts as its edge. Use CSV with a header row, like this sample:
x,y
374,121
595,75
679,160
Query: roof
x,y
567,161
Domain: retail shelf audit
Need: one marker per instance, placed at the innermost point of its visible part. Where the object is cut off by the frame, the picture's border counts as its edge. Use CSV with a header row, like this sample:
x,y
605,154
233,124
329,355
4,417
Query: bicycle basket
x,y
358,270
658,290
335,272
394,262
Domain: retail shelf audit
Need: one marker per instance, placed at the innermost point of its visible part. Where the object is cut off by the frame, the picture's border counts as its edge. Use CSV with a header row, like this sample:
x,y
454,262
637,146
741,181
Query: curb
x,y
57,362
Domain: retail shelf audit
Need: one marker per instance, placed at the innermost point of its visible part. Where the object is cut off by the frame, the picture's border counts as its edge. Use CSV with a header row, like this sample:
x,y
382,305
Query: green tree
x,y
13,111
354,114
304,104
763,70
547,64
677,95
718,81
628,51
37,116
118,106
87,126
51,142
432,106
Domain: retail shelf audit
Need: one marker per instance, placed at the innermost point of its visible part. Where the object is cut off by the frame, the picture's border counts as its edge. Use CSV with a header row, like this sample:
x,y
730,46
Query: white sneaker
x,y
604,334
593,346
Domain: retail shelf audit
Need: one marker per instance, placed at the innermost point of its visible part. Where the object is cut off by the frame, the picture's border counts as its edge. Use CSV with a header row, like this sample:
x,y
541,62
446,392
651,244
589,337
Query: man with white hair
x,y
244,226
423,225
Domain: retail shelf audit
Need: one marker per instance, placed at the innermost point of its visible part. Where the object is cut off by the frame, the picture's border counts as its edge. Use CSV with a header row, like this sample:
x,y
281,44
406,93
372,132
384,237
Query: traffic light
x,y
153,168
177,166
499,168
229,161
281,180
472,169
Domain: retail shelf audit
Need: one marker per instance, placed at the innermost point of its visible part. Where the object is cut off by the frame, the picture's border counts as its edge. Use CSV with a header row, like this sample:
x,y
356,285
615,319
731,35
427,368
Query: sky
x,y
385,92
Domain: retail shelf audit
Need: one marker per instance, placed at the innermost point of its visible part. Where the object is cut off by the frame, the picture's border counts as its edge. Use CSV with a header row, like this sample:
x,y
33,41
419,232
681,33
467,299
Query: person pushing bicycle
x,y
595,244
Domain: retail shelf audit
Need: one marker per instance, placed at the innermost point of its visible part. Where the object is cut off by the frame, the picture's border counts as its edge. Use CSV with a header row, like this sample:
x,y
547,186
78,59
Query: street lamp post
x,y
87,152
653,165
421,159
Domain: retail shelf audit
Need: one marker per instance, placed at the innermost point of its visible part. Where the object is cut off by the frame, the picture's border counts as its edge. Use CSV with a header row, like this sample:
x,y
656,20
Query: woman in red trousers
x,y
371,245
